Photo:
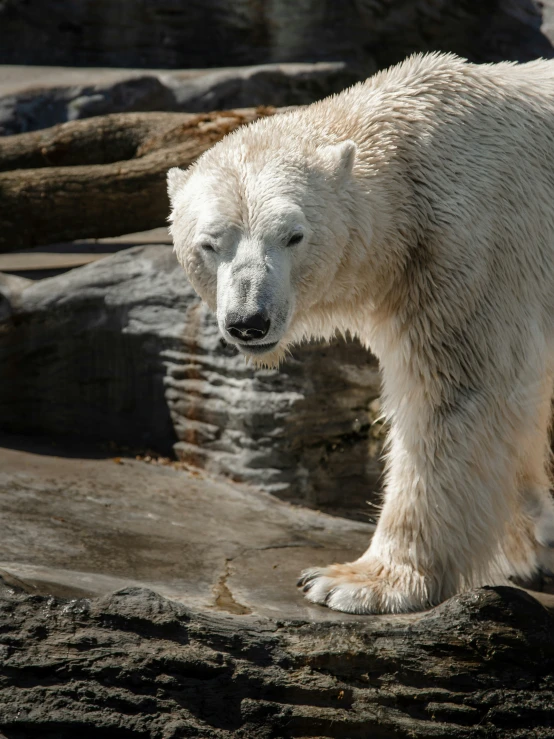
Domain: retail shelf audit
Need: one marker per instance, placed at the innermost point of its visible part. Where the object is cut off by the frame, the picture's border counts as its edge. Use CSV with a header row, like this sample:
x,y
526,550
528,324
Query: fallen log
x,y
101,140
108,176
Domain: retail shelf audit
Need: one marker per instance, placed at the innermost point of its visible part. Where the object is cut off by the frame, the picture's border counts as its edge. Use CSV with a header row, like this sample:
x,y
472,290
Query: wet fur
x,y
435,246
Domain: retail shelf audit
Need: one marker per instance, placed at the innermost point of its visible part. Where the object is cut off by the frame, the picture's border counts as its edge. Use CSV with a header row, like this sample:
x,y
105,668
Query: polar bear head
x,y
260,229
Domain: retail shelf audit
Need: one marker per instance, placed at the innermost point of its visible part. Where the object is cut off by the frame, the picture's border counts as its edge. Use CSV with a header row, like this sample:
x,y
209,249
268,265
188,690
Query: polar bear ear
x,y
176,178
339,158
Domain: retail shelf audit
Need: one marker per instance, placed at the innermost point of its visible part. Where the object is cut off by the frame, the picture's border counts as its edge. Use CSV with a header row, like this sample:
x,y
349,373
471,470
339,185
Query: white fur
x,y
425,196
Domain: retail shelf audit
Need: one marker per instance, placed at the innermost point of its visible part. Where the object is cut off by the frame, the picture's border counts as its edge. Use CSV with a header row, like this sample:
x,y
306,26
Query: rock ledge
x,y
134,664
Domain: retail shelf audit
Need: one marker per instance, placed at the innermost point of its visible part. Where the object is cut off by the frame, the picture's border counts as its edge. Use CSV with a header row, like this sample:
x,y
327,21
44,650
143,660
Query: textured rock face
x,y
165,33
136,665
31,100
122,350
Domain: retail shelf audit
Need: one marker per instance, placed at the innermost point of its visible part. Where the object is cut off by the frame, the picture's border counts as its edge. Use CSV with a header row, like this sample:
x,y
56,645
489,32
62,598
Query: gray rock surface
x,y
206,634
33,98
122,350
215,33
81,525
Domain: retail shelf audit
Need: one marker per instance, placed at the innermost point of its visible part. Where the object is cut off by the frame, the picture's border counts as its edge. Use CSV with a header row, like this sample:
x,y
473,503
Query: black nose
x,y
248,328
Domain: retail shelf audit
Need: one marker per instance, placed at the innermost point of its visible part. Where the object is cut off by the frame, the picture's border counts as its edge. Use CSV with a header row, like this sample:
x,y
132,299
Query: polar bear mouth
x,y
258,348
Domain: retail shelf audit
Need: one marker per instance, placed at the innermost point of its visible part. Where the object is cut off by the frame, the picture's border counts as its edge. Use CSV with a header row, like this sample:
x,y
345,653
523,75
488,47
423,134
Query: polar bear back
x,y
457,158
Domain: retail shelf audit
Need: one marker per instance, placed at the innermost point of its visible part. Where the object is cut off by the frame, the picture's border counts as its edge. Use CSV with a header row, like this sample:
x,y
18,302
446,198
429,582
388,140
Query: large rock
x,y
31,98
207,635
215,33
122,350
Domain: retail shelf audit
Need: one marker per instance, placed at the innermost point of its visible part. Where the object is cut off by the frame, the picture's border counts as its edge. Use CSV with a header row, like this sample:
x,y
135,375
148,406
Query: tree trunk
x,y
108,176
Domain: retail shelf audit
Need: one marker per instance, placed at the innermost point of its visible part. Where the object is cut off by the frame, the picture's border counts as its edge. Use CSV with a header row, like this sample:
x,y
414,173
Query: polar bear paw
x,y
365,586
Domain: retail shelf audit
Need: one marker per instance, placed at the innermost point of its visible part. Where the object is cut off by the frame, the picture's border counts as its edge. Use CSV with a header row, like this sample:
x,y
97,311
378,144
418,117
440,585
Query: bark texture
x,y
136,665
108,176
103,140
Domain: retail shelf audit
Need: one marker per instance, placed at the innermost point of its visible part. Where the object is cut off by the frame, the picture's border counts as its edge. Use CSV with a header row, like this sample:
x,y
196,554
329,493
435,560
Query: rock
x,y
122,350
206,634
547,12
78,525
10,287
221,33
31,101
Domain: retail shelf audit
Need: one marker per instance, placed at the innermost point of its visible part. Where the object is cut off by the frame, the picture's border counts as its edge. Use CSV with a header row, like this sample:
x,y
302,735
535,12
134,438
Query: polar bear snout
x,y
254,300
247,328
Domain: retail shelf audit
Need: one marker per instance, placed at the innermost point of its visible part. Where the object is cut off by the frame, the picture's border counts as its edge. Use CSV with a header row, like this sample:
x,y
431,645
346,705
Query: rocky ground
x,y
206,634
85,526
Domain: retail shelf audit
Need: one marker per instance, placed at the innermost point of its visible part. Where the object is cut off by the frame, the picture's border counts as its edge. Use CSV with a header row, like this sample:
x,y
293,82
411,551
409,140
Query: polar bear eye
x,y
295,239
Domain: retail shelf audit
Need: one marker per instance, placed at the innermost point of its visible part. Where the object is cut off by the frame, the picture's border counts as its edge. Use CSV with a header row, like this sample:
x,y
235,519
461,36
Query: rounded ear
x,y
176,178
339,158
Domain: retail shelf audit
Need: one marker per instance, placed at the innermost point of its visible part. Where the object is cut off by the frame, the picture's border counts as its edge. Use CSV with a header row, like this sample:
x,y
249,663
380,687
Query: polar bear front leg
x,y
388,578
449,492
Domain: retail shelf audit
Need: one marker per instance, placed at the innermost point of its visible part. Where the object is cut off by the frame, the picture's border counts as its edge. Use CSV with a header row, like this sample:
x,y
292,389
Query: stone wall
x,y
212,33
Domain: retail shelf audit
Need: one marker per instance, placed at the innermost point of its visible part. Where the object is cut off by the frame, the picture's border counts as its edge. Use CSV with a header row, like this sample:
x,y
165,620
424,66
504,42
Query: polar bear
x,y
414,210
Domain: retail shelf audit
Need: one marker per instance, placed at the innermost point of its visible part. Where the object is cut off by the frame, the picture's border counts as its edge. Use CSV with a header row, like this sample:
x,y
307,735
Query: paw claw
x,y
363,587
329,596
307,579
